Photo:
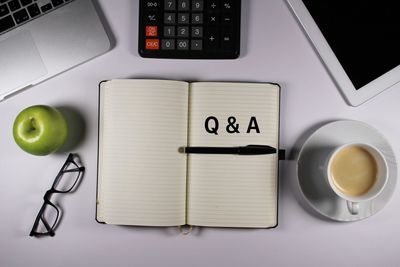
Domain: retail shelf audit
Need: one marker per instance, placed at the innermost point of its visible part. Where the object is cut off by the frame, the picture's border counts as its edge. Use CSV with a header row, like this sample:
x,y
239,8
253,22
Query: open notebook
x,y
145,179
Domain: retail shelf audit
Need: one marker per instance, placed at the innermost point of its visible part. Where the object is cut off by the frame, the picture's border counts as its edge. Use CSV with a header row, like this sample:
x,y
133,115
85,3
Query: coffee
x,y
353,170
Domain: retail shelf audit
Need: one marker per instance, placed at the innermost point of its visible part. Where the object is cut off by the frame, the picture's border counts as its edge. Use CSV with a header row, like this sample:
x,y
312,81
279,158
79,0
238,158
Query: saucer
x,y
310,167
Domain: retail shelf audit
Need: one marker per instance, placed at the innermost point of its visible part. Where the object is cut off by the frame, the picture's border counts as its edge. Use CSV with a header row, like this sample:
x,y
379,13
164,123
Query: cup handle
x,y
353,207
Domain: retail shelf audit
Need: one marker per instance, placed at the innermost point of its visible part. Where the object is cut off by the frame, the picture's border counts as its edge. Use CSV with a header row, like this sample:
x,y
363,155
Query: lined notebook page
x,y
142,176
233,190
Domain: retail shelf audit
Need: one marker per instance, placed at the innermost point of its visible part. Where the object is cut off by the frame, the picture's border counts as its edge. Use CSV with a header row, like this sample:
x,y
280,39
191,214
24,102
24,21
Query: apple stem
x,y
33,122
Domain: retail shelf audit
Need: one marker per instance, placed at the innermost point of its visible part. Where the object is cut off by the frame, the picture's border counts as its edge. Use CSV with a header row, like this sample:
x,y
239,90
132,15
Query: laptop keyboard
x,y
14,13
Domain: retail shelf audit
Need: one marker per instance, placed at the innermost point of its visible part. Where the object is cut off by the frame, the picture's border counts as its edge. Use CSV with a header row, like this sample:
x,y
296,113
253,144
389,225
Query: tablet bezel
x,y
353,96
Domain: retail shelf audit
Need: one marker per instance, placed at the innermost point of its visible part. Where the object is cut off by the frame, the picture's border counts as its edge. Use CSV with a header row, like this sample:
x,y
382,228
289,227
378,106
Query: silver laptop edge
x,y
49,45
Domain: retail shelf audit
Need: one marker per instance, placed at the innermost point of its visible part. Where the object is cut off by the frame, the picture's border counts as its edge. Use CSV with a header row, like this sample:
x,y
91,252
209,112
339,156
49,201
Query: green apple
x,y
40,130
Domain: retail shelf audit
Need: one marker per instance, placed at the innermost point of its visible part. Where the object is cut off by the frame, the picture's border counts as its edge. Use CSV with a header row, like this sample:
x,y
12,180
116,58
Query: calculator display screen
x,y
364,35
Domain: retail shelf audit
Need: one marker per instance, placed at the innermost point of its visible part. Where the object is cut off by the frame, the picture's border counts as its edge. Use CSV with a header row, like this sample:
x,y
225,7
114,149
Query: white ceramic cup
x,y
353,202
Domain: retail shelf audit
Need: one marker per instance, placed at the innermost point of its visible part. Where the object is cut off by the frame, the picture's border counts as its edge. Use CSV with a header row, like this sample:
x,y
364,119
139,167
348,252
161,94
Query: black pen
x,y
239,150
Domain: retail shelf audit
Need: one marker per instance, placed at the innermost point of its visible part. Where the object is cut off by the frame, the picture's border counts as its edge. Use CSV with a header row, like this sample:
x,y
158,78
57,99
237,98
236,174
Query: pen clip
x,y
281,152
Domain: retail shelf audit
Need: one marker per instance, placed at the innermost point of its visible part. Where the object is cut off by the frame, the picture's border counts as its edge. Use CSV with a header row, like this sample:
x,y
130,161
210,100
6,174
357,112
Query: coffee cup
x,y
356,172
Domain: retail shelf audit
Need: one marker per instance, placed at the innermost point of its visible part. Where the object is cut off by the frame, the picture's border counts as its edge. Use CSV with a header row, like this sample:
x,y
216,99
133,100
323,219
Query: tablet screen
x,y
364,35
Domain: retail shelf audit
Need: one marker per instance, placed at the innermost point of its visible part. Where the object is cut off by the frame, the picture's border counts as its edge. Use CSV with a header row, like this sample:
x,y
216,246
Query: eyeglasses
x,y
66,181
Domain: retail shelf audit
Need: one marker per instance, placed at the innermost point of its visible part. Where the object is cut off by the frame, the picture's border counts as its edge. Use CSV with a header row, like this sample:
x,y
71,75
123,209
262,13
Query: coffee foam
x,y
354,171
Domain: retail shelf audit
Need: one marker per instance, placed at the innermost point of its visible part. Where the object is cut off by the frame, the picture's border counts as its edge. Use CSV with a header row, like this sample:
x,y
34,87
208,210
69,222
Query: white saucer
x,y
311,179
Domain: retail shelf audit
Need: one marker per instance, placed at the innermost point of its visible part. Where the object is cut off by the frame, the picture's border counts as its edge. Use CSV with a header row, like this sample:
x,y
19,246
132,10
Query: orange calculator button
x,y
152,44
151,31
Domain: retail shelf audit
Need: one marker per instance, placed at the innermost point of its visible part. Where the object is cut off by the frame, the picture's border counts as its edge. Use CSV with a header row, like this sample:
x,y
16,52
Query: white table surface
x,y
275,49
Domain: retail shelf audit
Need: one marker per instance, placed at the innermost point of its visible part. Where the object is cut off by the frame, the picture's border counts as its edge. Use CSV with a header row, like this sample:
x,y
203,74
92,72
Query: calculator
x,y
189,29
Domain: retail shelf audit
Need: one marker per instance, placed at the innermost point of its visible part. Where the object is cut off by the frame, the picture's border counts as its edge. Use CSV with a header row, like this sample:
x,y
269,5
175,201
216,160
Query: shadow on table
x,y
76,128
289,171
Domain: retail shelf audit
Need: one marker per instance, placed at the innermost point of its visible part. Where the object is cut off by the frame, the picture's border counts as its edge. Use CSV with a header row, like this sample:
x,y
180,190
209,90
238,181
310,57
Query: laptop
x,y
42,38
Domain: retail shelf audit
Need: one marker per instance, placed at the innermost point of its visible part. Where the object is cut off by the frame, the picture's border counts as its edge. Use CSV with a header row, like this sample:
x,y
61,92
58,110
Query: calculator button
x,y
182,44
227,5
226,19
169,5
213,5
151,31
196,45
168,44
227,38
151,4
169,31
197,5
183,18
183,5
212,38
197,18
197,32
212,18
183,31
151,18
169,18
152,44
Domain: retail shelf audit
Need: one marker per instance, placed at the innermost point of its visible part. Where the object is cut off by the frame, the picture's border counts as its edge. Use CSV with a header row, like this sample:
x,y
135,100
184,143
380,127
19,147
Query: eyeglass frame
x,y
51,191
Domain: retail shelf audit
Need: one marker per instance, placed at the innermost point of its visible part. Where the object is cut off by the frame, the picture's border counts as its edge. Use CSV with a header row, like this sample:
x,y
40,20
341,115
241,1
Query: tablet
x,y
358,41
